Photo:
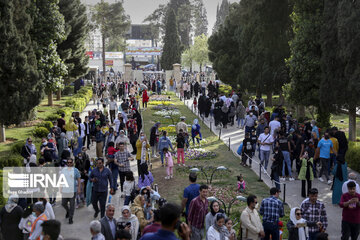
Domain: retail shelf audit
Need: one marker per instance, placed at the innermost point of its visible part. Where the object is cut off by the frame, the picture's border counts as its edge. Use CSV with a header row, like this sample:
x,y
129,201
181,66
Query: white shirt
x,y
113,105
265,139
213,234
117,124
274,124
203,84
82,130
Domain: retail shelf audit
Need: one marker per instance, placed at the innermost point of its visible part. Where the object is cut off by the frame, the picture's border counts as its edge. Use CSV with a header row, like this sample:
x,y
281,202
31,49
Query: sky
x,y
139,9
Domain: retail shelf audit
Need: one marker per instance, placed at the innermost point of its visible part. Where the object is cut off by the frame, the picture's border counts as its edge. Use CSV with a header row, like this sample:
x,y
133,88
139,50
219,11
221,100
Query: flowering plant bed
x,y
164,112
162,107
199,154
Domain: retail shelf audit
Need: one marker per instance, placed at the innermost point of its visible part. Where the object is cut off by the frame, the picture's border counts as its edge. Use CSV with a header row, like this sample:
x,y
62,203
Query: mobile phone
x,y
178,226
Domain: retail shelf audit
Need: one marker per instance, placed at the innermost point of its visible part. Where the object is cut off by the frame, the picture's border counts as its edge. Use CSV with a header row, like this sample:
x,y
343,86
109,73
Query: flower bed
x,y
199,154
164,103
163,107
165,112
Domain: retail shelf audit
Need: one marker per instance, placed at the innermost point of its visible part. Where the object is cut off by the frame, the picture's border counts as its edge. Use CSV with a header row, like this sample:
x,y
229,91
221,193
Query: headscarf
x,y
143,171
137,202
70,125
11,203
134,222
212,208
30,146
303,232
222,230
339,172
196,122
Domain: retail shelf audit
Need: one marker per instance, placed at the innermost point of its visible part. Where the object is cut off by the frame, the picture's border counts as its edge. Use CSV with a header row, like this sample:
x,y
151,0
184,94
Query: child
x,y
241,183
26,221
231,234
195,104
247,150
169,163
129,185
180,144
306,174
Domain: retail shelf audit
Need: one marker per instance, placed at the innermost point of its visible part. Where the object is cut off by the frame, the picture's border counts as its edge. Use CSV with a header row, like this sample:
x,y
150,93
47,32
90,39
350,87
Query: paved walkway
x,y
293,189
84,215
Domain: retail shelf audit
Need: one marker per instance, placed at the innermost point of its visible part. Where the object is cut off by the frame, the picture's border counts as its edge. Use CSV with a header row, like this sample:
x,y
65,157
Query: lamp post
x,y
209,181
228,208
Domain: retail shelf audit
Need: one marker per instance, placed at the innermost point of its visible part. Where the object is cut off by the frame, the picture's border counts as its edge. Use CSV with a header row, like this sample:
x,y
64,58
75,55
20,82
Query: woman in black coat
x,y
10,217
276,167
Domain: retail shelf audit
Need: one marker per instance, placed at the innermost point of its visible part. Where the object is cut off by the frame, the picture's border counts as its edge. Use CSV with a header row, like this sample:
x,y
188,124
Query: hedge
x,y
352,156
52,117
78,101
68,90
40,132
46,124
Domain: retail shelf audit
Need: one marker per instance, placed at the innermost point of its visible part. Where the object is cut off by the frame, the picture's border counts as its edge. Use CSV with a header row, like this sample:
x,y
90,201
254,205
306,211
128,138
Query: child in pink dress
x,y
169,163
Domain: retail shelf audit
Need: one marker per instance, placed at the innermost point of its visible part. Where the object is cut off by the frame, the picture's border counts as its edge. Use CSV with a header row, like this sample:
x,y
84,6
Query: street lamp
x,y
220,168
237,198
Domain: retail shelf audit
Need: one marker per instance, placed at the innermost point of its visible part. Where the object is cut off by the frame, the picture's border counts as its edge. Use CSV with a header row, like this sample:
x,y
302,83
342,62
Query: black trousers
x,y
349,230
122,179
87,139
101,198
305,190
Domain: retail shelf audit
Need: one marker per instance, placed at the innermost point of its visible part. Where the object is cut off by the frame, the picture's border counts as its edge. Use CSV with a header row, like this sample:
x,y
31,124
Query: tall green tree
x,y
201,50
183,11
47,31
72,50
172,49
221,14
21,87
113,23
187,58
340,35
200,18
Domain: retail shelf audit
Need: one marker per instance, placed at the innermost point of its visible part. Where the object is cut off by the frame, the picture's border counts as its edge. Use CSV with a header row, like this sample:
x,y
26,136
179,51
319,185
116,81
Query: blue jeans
x,y
115,173
277,180
127,200
240,120
162,156
271,229
287,161
264,157
248,129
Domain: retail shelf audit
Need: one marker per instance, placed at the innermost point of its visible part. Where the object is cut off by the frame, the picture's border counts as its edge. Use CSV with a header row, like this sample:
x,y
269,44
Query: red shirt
x,y
197,212
112,150
350,215
153,228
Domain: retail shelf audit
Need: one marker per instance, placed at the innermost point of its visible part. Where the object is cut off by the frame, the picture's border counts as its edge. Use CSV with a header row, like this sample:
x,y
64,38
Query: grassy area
x,y
172,189
43,110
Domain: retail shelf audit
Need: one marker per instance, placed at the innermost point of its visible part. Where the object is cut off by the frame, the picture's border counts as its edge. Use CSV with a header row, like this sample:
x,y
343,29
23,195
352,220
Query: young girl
x,y
26,221
169,163
195,104
129,185
241,183
229,227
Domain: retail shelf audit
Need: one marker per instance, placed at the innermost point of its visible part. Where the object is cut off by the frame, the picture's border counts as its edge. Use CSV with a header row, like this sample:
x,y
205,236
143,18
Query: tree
x,y
21,87
183,12
187,58
112,22
171,51
221,14
340,86
200,18
72,50
47,31
201,50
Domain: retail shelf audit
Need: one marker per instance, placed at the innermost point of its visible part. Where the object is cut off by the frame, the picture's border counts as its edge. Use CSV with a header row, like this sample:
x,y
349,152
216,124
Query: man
x,y
299,149
197,211
108,223
119,123
122,159
250,121
251,226
155,226
72,175
51,229
265,140
261,127
324,146
203,87
113,108
100,138
352,178
95,230
274,126
343,142
100,177
272,209
36,227
313,211
61,123
350,224
190,192
181,125
284,144
87,136
170,215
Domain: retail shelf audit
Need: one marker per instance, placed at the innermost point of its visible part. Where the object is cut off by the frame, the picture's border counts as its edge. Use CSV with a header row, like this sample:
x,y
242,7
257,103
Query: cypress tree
x,y
172,49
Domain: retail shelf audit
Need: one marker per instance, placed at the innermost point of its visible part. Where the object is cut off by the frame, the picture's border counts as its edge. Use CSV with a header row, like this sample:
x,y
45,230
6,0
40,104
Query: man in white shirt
x,y
274,125
265,140
113,108
203,87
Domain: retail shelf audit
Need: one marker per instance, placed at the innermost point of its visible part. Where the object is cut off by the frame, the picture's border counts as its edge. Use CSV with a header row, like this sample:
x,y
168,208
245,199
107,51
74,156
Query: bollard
x,y
260,180
229,144
210,126
220,133
284,192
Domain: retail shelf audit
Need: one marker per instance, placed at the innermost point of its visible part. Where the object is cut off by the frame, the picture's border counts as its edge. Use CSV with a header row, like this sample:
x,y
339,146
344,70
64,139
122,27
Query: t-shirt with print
x,y
325,146
283,144
247,145
265,139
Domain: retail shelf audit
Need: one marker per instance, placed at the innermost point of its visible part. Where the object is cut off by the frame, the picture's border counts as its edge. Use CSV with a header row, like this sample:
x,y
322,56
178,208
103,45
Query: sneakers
x,y
329,181
184,165
282,179
167,178
321,179
291,179
171,176
265,171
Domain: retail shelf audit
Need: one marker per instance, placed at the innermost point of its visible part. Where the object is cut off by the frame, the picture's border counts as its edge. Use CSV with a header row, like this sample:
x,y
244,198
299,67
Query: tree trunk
x,y
281,99
352,123
200,67
58,95
2,134
269,99
50,98
300,111
103,57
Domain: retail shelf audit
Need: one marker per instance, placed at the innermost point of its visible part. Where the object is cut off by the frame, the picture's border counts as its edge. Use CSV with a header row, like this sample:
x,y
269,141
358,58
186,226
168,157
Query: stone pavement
x,y
83,216
293,189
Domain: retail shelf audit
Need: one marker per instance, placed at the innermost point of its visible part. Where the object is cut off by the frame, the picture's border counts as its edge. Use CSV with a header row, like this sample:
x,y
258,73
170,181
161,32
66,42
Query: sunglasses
x,y
69,162
298,214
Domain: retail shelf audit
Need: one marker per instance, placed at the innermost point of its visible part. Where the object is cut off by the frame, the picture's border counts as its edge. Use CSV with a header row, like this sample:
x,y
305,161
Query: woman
x,y
276,167
141,154
145,178
126,218
340,176
145,98
10,217
218,231
195,131
70,128
231,113
210,217
306,174
229,226
28,150
63,145
240,114
297,226
138,209
154,139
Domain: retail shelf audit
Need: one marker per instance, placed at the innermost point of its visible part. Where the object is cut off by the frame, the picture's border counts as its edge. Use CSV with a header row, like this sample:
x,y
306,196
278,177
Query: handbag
x,y
134,192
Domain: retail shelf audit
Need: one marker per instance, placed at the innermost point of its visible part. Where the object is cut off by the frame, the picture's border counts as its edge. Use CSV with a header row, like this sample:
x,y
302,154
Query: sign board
x,y
90,54
109,62
147,51
114,55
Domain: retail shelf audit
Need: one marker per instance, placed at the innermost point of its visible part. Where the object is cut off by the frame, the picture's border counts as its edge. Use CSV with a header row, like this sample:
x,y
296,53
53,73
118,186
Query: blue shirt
x,y
271,209
165,142
315,129
191,192
159,235
325,146
101,185
71,175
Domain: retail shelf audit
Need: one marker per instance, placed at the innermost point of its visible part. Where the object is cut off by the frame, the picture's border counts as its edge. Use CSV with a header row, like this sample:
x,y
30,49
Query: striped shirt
x,y
197,212
314,213
271,209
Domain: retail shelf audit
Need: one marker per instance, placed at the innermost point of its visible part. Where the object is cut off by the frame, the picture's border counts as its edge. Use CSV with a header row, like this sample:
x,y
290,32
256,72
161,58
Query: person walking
x,y
350,204
108,223
284,144
72,175
250,122
122,160
240,115
272,210
145,98
164,142
100,177
340,176
197,211
180,145
36,228
142,146
265,140
190,192
324,146
276,167
10,216
251,227
306,174
314,213
297,226
154,138
100,138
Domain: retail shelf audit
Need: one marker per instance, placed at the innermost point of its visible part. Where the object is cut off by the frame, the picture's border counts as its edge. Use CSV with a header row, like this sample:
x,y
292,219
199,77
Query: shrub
x,y
17,147
78,104
65,110
68,90
13,160
352,156
40,132
225,89
46,124
52,117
